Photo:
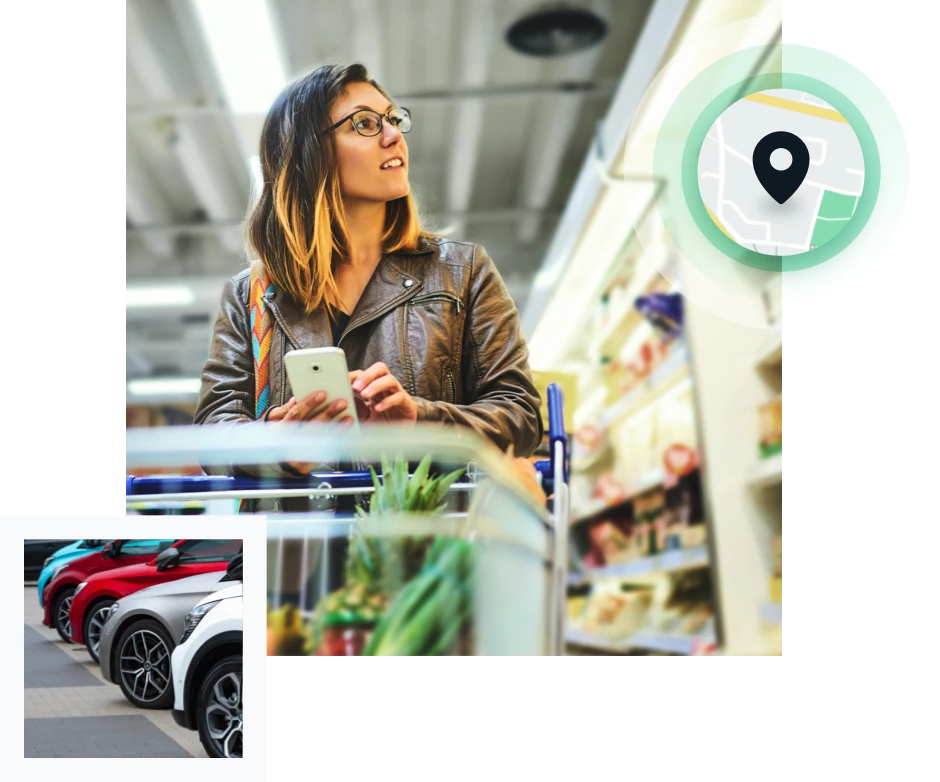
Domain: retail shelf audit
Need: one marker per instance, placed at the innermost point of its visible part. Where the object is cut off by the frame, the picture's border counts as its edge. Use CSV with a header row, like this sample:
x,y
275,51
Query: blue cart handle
x,y
556,434
190,484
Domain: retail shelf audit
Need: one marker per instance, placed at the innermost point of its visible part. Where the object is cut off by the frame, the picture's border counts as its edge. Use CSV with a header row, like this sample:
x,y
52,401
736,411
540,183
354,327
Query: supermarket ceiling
x,y
498,139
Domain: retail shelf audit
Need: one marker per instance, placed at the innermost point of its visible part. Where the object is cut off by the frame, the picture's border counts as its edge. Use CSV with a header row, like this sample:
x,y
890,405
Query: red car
x,y
93,598
57,596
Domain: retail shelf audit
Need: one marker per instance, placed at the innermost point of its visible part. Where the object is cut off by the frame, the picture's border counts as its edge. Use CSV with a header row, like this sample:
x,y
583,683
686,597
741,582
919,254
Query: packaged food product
x,y
694,535
658,521
613,544
575,606
609,489
776,589
676,423
617,614
771,427
664,311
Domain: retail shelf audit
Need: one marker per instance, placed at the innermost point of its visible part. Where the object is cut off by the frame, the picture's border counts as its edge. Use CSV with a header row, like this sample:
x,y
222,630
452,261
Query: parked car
x,y
57,596
94,597
142,629
56,561
35,554
207,673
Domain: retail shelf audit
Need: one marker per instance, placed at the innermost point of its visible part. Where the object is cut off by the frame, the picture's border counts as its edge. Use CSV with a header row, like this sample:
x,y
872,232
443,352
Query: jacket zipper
x,y
379,313
453,388
438,297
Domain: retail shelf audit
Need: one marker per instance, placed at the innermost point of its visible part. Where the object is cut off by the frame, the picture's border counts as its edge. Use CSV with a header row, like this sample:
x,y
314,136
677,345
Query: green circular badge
x,y
832,202
778,170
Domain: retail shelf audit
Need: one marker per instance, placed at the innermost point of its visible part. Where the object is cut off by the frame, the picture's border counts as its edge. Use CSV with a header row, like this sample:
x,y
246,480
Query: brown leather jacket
x,y
440,318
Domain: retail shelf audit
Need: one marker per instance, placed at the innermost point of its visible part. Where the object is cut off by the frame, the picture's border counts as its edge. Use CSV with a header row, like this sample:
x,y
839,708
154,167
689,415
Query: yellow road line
x,y
802,108
718,223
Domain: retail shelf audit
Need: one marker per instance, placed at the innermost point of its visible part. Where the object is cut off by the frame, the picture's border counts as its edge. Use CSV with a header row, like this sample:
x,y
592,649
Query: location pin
x,y
780,185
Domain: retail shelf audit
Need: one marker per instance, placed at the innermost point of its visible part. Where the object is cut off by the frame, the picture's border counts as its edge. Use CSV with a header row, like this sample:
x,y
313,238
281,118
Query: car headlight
x,y
195,616
111,612
79,588
45,564
58,569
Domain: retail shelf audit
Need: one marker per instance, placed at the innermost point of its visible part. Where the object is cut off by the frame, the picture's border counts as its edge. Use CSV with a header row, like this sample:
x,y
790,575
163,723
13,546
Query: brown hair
x,y
298,226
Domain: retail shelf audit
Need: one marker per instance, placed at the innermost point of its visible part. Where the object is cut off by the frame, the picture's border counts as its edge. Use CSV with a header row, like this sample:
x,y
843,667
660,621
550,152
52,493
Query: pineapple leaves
x,y
397,492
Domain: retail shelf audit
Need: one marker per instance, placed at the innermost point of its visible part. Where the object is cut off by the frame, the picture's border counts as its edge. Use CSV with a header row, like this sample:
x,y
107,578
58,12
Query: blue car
x,y
62,557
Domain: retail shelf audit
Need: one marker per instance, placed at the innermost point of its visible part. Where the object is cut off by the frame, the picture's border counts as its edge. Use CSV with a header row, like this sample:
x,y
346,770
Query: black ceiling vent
x,y
553,31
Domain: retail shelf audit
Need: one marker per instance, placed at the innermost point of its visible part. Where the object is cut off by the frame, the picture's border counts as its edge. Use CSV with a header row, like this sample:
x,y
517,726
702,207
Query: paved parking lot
x,y
71,711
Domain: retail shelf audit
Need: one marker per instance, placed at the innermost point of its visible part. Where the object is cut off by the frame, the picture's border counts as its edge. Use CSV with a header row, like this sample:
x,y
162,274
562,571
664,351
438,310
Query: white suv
x,y
207,672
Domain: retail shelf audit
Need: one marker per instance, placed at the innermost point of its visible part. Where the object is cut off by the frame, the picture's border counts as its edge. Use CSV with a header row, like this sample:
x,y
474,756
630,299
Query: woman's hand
x,y
302,412
382,397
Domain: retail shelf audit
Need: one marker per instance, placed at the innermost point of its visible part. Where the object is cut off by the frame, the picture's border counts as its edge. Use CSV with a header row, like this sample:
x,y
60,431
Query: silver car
x,y
142,630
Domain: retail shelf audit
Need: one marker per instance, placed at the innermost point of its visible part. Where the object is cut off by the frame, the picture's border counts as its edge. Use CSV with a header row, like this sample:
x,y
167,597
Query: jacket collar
x,y
392,284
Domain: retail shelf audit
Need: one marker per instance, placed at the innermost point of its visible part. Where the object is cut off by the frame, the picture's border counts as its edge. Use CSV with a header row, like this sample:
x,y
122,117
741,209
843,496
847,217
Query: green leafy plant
x,y
429,615
378,565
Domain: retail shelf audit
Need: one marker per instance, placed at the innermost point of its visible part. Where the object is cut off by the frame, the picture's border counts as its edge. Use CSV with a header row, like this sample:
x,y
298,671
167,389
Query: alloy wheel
x,y
224,715
62,618
95,626
145,665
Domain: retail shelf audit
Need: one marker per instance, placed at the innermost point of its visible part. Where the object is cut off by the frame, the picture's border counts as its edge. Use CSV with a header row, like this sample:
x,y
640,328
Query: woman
x,y
429,330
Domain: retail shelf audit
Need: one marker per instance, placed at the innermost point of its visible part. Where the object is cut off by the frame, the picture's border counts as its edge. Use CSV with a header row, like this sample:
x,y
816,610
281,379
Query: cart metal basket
x,y
492,560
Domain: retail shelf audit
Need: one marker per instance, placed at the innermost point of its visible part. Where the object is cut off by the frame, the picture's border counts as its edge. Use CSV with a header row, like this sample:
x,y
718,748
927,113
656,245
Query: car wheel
x,y
95,617
143,662
219,709
60,613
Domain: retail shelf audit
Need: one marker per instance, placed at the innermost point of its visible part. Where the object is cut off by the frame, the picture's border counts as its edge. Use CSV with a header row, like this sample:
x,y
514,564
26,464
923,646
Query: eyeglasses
x,y
369,123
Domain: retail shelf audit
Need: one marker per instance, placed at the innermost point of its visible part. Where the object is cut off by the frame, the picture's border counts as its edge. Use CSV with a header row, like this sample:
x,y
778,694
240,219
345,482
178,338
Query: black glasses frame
x,y
380,116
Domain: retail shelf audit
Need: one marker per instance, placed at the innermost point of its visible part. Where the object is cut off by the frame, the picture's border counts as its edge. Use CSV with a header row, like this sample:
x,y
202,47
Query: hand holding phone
x,y
319,380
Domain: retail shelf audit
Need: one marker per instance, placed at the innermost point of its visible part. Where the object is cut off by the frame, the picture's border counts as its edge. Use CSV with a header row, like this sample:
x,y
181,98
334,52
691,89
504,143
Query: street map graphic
x,y
740,205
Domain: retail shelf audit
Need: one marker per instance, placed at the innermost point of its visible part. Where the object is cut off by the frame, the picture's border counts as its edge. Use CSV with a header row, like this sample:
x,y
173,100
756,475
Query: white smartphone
x,y
321,369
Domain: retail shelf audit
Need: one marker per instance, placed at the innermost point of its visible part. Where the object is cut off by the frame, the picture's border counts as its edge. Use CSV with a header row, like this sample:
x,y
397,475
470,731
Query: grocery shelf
x,y
666,376
649,481
771,614
647,277
618,328
769,472
656,642
667,562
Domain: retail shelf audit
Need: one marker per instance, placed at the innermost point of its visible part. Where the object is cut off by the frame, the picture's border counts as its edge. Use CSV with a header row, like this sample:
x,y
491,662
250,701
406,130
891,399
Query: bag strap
x,y
262,329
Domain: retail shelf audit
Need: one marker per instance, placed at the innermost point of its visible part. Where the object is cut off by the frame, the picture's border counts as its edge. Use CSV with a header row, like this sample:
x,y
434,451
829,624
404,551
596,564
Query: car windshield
x,y
208,550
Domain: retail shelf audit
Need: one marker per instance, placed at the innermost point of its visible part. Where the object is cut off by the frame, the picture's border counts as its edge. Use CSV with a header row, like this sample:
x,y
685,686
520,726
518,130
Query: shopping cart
x,y
518,583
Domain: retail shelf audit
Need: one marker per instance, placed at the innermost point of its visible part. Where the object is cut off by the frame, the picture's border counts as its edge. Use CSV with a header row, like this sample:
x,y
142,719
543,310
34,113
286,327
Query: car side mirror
x,y
234,564
106,552
168,558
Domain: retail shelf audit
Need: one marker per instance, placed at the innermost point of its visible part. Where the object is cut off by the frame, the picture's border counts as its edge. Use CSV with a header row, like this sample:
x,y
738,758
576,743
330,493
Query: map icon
x,y
821,204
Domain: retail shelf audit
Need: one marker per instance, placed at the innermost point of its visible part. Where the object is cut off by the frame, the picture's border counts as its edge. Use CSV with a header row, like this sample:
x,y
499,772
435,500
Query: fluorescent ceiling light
x,y
245,49
167,386
159,296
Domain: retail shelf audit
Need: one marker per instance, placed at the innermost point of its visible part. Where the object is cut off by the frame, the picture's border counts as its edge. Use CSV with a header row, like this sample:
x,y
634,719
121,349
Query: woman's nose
x,y
390,133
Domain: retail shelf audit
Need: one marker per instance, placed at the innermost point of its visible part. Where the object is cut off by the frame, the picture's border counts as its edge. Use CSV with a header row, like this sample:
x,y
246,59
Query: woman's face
x,y
361,158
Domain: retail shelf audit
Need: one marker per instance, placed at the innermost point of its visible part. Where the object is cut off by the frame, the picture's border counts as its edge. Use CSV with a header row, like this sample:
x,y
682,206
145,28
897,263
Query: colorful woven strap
x,y
262,328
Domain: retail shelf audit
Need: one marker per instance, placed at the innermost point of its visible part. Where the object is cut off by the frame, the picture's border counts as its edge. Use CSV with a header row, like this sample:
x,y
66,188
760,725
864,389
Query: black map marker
x,y
780,185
